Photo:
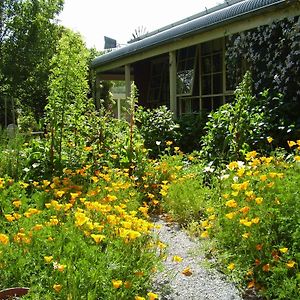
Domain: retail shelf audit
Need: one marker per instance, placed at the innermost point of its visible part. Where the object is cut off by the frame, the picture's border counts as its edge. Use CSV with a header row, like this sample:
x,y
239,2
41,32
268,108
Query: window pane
x,y
206,104
206,65
217,102
185,82
206,85
195,105
217,63
217,84
206,48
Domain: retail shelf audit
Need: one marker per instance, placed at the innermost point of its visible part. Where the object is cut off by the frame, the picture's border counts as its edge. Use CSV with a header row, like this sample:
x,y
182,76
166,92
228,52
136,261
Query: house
x,y
182,65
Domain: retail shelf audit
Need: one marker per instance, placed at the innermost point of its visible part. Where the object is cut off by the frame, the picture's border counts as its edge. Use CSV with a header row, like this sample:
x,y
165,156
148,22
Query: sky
x,y
118,19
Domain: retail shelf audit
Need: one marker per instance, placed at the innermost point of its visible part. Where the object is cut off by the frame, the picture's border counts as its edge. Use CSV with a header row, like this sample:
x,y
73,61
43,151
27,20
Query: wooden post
x,y
97,91
127,81
5,111
173,76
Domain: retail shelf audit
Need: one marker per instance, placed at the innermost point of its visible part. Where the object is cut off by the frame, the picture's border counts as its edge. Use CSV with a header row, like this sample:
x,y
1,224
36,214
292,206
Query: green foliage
x,y
11,154
272,55
157,126
186,199
28,37
191,130
237,127
257,225
67,101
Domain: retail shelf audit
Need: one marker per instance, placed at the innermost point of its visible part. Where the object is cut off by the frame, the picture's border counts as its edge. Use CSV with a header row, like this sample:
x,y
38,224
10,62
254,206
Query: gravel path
x,y
201,283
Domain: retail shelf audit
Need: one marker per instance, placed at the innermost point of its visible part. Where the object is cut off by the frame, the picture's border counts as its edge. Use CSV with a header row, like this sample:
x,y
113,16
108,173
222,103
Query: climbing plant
x,y
272,54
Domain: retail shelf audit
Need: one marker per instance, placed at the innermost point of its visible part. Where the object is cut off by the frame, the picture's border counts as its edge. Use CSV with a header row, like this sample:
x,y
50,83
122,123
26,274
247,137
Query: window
x,y
159,83
186,63
212,74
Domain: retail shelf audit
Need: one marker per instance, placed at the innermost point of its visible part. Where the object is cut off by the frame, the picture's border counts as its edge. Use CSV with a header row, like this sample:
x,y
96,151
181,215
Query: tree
x,y
68,85
28,37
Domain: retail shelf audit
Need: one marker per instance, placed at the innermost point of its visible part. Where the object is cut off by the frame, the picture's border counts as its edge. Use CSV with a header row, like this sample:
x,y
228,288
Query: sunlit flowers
x,y
57,287
4,239
177,258
48,259
98,238
283,250
231,266
231,203
152,296
291,264
117,283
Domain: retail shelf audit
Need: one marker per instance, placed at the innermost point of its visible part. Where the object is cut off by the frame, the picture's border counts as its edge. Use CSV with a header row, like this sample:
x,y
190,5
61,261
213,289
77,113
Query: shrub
x,y
191,130
237,127
157,126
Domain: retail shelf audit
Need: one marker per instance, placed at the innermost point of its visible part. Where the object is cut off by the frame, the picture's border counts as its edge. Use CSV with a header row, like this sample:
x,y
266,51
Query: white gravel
x,y
202,284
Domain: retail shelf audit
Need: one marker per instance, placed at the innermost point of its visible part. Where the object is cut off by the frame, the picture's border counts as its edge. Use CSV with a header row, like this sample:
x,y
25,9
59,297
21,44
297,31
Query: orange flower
x,y
259,247
266,268
4,239
187,272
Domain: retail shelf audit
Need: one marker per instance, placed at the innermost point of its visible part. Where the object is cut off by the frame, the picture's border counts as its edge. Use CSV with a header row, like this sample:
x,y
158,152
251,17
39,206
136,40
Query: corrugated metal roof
x,y
201,23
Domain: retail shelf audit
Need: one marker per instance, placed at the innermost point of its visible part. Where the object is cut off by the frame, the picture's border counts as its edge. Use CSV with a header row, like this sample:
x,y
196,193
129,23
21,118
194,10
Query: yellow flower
x,y
263,177
98,237
57,287
251,155
152,296
60,193
255,220
269,139
177,258
139,298
17,203
230,215
169,143
291,144
290,264
4,239
246,235
231,266
297,158
283,250
231,203
204,234
117,283
9,218
259,200
37,227
48,259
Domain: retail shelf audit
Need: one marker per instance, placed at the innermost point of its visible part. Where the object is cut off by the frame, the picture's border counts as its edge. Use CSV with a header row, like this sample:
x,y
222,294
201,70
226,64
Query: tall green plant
x,y
236,128
68,93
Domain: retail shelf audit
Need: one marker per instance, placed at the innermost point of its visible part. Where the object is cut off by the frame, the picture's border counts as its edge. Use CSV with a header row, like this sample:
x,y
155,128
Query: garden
x,y
79,188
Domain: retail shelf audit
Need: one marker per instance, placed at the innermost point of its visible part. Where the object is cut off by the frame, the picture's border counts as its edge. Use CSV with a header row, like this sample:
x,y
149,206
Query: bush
x,y
157,127
191,130
236,128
